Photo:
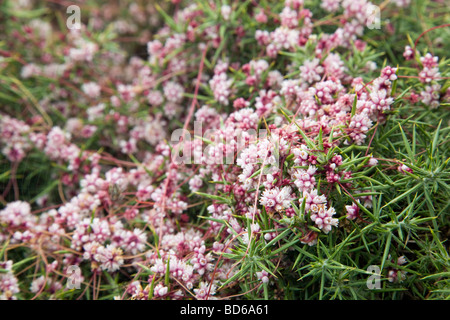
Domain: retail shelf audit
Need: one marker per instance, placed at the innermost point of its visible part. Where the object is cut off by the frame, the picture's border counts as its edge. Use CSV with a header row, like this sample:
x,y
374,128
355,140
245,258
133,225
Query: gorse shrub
x,y
224,150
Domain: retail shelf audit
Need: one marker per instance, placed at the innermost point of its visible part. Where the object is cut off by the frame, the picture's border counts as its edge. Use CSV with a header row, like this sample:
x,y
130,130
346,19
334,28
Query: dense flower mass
x,y
192,160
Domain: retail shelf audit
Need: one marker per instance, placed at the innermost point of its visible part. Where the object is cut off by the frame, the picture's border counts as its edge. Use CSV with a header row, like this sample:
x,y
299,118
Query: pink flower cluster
x,y
268,130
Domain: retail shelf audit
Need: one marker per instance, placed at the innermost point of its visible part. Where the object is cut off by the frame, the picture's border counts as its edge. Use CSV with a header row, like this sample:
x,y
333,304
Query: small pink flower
x,y
240,103
91,89
263,276
311,71
359,126
372,162
173,91
404,168
428,74
225,11
352,211
289,18
389,73
304,179
429,61
408,54
323,218
275,199
261,17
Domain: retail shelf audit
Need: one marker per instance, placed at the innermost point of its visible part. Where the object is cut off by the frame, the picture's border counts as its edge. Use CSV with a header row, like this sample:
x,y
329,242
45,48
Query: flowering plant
x,y
216,150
